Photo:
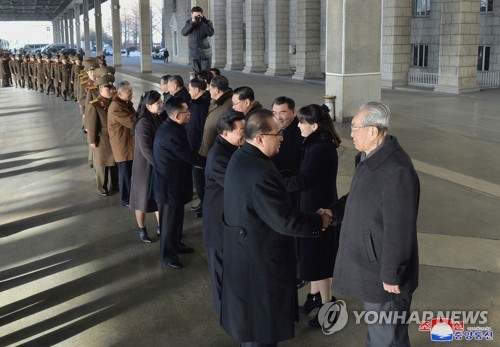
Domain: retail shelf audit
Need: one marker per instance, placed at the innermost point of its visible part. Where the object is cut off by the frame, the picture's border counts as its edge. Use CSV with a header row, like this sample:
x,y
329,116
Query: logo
x,y
332,317
448,329
442,329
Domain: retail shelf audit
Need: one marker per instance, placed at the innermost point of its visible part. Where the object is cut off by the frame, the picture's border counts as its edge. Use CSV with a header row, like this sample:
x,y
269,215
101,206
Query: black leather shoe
x,y
177,265
158,232
103,192
143,234
199,214
314,323
196,208
183,249
313,301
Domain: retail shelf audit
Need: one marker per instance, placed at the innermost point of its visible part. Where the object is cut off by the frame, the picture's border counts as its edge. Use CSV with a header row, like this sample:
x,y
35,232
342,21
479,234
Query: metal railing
x,y
488,79
422,79
485,79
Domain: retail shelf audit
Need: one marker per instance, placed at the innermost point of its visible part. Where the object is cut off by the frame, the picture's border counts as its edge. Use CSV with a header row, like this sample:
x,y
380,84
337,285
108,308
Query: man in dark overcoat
x,y
377,260
200,101
231,136
172,180
259,296
198,29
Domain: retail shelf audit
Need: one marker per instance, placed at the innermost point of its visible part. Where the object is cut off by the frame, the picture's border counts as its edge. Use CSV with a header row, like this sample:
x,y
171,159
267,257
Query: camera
x,y
198,19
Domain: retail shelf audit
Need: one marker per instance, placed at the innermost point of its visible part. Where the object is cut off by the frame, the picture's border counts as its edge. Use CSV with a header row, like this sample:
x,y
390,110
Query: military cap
x,y
105,81
90,64
104,70
46,56
38,56
78,57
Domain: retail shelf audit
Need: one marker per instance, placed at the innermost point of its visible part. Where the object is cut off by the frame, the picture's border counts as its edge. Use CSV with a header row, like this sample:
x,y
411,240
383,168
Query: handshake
x,y
327,216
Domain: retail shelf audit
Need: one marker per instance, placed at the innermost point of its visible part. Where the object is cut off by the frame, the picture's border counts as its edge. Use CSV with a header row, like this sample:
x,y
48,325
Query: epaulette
x,y
92,87
83,82
93,101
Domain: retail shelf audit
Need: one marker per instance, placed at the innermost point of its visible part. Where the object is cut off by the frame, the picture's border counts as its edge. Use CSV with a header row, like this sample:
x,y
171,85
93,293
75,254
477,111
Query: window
x,y
486,5
422,7
420,55
483,58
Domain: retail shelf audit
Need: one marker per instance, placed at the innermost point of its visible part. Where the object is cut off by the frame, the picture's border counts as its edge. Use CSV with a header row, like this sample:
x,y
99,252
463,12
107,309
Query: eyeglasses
x,y
184,111
353,128
279,134
239,102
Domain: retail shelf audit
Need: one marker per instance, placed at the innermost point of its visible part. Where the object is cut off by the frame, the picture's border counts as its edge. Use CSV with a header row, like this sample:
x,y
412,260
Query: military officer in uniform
x,y
96,115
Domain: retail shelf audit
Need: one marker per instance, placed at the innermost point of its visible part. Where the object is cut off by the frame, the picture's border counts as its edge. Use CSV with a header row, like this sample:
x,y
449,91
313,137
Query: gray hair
x,y
377,115
120,87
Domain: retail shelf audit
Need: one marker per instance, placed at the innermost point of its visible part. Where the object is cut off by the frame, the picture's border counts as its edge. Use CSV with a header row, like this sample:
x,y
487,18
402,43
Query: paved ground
x,y
74,273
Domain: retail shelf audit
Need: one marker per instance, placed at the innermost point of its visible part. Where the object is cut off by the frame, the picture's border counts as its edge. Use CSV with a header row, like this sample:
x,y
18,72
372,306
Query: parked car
x,y
160,54
68,51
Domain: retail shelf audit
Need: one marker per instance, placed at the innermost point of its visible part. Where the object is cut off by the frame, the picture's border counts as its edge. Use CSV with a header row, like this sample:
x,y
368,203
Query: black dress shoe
x,y
314,323
158,232
199,214
196,208
183,249
177,265
313,301
103,192
143,234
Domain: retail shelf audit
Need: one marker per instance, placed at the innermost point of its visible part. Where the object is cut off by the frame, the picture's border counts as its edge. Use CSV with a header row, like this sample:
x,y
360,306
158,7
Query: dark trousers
x,y
171,223
106,178
200,65
393,335
199,183
124,181
214,256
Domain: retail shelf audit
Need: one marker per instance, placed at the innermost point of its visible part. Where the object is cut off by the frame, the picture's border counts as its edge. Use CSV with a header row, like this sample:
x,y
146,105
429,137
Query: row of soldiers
x,y
59,74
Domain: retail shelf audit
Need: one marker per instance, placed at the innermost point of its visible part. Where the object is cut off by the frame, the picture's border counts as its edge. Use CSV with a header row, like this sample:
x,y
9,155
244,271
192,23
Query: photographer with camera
x,y
198,29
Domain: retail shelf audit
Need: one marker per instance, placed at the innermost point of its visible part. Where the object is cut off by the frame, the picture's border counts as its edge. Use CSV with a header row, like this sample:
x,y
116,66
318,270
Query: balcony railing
x,y
485,79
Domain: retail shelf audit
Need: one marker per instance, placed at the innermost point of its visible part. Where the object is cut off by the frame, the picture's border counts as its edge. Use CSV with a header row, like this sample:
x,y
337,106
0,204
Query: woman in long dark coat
x,y
148,121
316,183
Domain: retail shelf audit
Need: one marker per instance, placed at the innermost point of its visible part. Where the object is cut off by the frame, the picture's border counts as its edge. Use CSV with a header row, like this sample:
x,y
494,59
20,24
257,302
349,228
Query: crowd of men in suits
x,y
236,153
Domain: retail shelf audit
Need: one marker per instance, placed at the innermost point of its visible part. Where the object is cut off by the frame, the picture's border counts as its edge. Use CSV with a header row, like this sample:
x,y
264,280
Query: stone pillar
x,y
458,44
145,36
55,30
278,29
234,26
77,26
353,54
116,32
396,42
98,26
86,30
255,36
61,28
219,40
66,28
308,39
71,16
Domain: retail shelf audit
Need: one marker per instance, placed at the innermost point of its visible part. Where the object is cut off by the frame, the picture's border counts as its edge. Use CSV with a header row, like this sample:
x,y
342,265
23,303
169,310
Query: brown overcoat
x,y
96,120
121,118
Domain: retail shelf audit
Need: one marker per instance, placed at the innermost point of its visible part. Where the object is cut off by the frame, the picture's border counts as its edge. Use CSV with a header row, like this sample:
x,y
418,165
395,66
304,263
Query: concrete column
x,y
86,30
66,28
396,42
61,26
145,36
353,54
71,16
278,29
458,44
54,30
77,26
234,26
255,36
98,26
116,32
219,40
308,39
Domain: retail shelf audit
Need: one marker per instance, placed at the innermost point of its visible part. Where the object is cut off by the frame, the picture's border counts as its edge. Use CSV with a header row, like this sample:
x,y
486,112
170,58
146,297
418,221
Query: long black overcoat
x,y
172,181
378,239
213,205
316,185
259,295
